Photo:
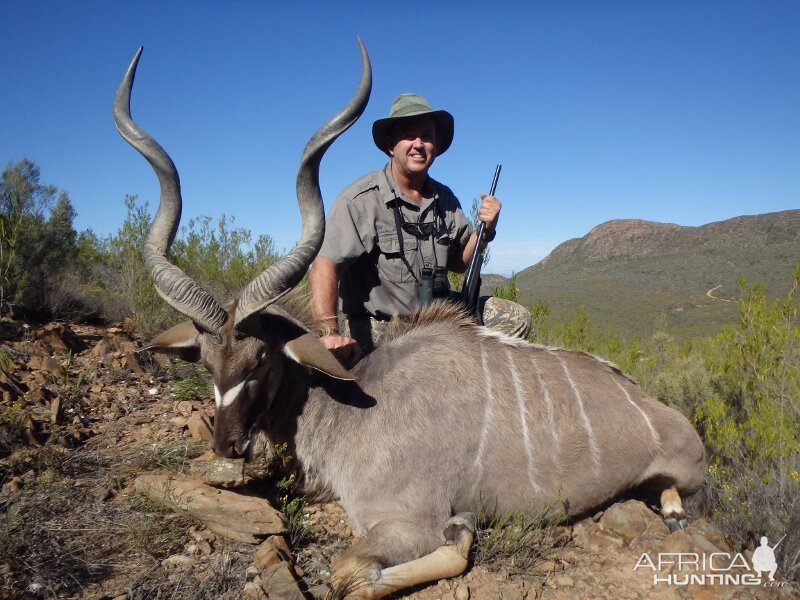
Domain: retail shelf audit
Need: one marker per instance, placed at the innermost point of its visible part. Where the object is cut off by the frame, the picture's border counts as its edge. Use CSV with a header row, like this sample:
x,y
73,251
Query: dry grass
x,y
75,530
516,542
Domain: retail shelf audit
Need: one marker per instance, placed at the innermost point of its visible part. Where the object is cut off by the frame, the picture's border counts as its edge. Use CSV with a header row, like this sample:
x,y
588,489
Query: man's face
x,y
412,145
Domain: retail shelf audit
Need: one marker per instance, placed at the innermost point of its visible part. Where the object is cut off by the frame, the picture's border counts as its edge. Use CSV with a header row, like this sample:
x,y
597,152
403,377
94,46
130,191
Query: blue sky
x,y
684,111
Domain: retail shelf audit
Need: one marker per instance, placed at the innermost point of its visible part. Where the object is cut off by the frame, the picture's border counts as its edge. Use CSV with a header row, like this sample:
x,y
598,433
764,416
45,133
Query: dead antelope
x,y
443,419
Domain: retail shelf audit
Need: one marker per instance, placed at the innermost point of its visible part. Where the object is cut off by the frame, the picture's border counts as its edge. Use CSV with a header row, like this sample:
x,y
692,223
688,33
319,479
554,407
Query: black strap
x,y
396,211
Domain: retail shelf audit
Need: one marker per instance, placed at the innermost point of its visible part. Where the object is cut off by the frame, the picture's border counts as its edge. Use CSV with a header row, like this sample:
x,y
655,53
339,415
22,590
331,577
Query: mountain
x,y
628,272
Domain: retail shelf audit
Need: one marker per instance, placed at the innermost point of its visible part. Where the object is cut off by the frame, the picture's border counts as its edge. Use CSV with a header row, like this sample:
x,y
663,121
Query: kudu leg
x,y
672,510
359,577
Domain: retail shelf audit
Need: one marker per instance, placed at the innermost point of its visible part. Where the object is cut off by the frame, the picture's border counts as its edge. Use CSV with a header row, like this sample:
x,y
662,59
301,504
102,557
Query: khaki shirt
x,y
361,239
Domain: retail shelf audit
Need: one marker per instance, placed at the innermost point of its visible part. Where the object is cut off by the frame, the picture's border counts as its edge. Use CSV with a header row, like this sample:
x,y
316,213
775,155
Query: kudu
x,y
444,418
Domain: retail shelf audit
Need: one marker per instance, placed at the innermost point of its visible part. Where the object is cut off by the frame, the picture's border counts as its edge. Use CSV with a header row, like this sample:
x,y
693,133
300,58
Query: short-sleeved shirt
x,y
361,238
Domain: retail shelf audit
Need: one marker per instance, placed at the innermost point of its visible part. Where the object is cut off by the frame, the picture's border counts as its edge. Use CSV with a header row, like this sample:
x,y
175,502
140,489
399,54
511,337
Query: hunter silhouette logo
x,y
764,558
716,568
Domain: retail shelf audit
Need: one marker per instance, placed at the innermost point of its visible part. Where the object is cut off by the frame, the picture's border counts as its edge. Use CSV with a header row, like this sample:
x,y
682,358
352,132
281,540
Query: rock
x,y
178,562
601,542
59,337
219,472
130,362
319,592
14,484
688,541
628,520
184,407
200,428
179,422
242,518
52,366
253,590
462,592
204,548
100,349
273,551
55,410
103,493
279,583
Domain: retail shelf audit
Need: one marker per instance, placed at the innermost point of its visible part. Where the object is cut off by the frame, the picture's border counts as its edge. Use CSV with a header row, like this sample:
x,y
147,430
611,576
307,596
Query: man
x,y
387,226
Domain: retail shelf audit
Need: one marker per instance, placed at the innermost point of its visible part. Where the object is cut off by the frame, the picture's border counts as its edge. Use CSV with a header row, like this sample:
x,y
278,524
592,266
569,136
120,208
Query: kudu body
x,y
444,418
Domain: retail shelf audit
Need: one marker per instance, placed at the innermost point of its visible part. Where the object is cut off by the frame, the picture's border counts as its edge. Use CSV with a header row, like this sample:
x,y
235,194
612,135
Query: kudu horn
x,y
172,284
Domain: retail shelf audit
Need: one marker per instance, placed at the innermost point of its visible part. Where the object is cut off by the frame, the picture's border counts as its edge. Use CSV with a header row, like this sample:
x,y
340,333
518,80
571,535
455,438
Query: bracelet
x,y
489,237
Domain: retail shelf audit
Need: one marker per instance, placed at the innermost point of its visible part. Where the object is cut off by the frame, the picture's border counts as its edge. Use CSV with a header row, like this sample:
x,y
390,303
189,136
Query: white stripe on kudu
x,y
653,432
487,414
226,399
522,403
584,417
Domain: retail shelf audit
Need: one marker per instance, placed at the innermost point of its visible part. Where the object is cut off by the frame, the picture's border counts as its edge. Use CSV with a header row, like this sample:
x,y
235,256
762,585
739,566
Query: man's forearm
x,y
463,258
324,283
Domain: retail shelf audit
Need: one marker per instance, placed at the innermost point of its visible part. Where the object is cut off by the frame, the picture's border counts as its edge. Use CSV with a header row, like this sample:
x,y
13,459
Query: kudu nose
x,y
225,448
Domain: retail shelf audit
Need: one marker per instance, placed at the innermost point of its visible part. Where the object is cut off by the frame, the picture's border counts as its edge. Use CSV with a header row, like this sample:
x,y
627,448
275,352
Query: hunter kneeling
x,y
389,225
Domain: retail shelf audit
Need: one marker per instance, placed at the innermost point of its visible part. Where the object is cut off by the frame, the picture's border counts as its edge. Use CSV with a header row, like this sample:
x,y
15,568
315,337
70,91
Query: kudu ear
x,y
182,341
300,345
308,350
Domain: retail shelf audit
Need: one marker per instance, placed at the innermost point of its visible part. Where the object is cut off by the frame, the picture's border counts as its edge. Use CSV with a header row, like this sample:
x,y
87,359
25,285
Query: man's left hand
x,y
489,212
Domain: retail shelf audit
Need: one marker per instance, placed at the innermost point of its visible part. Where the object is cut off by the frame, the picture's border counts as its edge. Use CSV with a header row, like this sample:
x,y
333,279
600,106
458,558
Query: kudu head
x,y
240,344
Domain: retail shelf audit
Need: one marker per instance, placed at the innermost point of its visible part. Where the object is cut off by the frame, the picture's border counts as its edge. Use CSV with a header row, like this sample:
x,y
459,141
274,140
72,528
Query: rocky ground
x,y
108,491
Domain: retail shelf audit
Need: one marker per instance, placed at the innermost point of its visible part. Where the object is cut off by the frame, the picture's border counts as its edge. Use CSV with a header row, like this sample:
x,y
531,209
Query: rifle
x,y
472,280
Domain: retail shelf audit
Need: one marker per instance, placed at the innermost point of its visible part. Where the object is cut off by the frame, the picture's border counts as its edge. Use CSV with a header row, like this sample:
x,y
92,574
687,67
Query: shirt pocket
x,y
391,266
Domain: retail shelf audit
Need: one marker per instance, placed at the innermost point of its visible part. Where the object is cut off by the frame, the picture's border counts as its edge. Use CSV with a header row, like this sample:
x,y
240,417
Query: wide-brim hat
x,y
406,106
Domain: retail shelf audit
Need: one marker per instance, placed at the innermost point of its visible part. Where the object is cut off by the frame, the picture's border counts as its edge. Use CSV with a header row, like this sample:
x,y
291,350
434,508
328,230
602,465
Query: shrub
x,y
217,256
751,421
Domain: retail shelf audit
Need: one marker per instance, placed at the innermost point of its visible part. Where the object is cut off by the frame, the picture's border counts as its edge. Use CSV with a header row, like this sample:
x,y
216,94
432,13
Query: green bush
x,y
217,256
37,244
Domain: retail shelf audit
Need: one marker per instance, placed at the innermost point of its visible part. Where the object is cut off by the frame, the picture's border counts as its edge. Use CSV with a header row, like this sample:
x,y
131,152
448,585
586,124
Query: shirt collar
x,y
393,191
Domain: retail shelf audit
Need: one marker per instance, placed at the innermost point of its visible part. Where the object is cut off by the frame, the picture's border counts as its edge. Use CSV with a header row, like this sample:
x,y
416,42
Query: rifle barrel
x,y
470,289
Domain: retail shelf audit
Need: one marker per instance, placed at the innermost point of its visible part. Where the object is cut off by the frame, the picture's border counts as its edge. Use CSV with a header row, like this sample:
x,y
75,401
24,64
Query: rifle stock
x,y
472,280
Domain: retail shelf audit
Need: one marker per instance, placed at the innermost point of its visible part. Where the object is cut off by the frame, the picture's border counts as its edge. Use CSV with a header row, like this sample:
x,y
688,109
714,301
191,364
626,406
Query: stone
x,y
130,362
271,552
238,517
184,407
627,520
204,548
200,428
219,472
100,349
253,590
279,583
178,562
55,410
462,592
179,422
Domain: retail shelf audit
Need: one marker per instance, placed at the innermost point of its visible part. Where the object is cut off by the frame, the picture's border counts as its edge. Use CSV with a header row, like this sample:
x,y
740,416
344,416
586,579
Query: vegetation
x,y
48,270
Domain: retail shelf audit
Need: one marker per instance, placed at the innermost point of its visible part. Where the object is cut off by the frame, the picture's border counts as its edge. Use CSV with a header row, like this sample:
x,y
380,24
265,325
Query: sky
x,y
683,112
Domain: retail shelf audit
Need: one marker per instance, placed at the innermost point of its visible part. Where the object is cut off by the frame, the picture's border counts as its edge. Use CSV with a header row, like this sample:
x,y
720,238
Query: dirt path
x,y
710,294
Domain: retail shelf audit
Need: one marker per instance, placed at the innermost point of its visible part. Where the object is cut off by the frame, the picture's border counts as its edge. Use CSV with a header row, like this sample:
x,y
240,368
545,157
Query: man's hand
x,y
346,350
489,212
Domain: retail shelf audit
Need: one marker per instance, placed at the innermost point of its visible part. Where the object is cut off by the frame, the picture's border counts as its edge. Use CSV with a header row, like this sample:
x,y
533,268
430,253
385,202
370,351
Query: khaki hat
x,y
412,105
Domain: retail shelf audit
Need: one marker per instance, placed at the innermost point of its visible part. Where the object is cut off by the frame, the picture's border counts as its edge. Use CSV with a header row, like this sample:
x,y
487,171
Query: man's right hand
x,y
346,350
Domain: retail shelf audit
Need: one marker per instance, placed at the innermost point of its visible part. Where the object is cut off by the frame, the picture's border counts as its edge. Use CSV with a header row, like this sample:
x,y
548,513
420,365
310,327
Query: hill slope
x,y
627,272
